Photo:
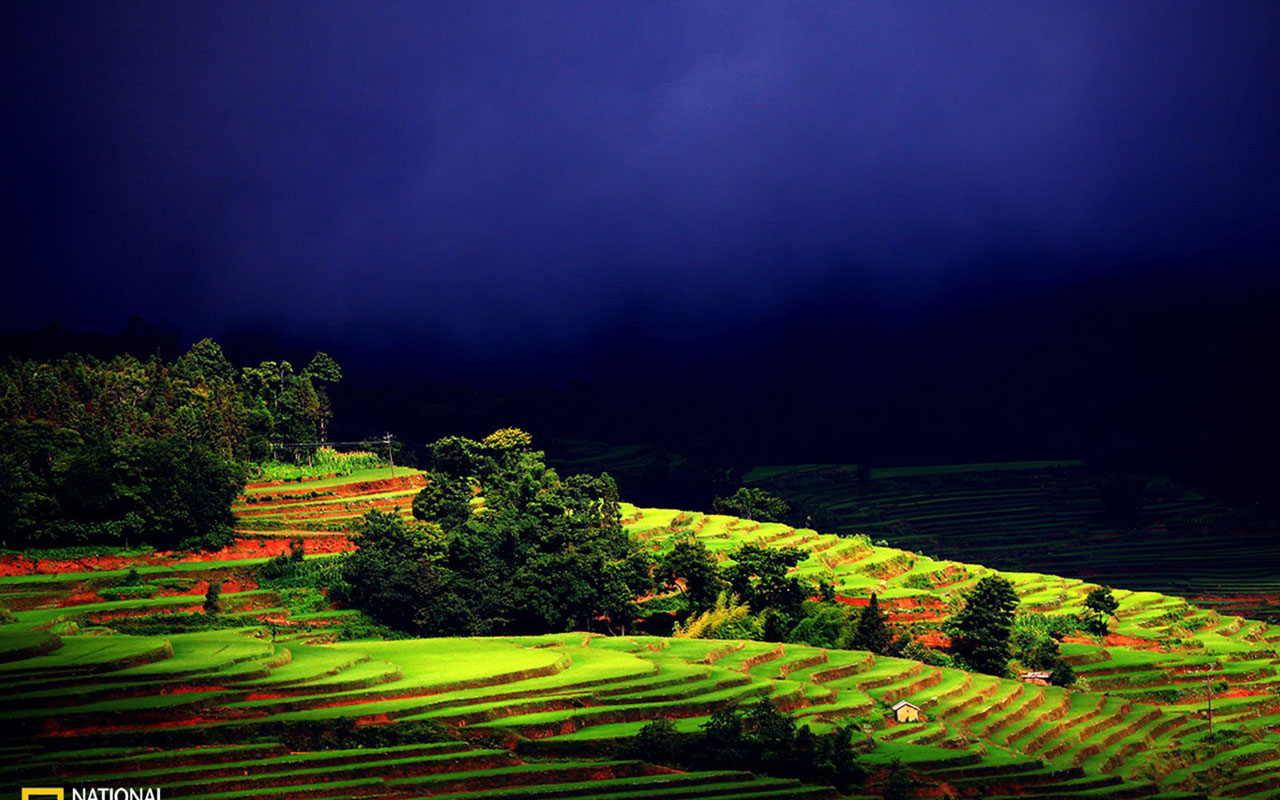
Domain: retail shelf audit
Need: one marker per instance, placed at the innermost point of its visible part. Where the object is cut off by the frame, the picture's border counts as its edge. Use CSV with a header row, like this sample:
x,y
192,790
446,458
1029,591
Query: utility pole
x,y
390,454
1208,693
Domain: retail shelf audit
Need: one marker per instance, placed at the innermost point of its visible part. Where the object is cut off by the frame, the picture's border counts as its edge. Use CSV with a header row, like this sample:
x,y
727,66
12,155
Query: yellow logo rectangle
x,y
41,794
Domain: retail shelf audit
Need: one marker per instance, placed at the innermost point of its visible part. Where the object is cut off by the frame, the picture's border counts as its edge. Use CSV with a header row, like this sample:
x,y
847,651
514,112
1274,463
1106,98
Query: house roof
x,y
902,703
1038,674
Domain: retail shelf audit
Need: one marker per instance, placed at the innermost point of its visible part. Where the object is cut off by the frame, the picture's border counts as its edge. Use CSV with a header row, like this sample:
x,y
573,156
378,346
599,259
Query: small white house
x,y
906,712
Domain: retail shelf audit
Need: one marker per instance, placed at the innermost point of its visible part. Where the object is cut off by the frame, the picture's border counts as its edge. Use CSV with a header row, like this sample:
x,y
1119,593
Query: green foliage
x,y
394,574
456,456
445,500
213,598
128,592
727,619
759,738
538,553
323,461
657,742
759,577
166,622
122,450
690,566
980,632
343,733
920,652
62,490
1101,601
827,625
872,633
1043,625
1062,673
898,783
508,439
754,504
324,368
1101,604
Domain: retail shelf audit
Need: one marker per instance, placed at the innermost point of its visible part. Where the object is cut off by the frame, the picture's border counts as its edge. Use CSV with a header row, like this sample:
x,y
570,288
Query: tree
x,y
872,633
980,632
1101,601
1062,673
508,439
205,361
445,500
824,625
898,783
657,742
105,451
1102,605
759,577
691,564
536,553
394,574
766,740
324,368
754,504
213,598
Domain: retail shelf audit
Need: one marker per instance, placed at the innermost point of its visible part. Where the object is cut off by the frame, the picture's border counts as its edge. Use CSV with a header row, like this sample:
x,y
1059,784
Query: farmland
x,y
1048,517
237,711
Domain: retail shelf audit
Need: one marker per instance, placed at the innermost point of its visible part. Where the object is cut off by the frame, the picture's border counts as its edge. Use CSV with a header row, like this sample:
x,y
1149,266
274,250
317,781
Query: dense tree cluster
x,y
759,738
502,544
754,504
127,450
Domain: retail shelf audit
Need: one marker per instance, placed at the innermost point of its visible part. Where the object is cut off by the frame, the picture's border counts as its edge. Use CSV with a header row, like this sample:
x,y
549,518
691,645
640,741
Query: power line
x,y
370,440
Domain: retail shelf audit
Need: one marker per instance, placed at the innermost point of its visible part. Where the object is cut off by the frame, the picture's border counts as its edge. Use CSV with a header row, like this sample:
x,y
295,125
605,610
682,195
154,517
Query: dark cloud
x,y
507,176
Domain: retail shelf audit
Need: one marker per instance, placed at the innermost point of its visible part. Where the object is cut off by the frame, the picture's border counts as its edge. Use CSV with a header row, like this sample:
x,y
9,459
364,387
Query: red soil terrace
x,y
242,549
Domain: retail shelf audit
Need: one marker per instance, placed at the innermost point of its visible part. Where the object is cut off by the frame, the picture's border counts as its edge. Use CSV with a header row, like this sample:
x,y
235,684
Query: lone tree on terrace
x,y
213,598
1101,601
872,633
980,632
1103,605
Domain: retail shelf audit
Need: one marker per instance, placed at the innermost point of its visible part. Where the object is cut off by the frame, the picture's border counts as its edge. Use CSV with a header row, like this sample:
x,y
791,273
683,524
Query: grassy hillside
x,y
228,713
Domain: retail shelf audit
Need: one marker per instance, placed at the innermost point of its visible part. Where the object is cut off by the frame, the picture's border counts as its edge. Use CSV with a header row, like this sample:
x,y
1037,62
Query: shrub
x,y
129,592
727,619
213,598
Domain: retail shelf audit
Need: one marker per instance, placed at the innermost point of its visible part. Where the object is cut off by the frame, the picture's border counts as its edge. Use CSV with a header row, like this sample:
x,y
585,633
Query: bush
x,y
324,461
753,504
213,598
128,592
759,738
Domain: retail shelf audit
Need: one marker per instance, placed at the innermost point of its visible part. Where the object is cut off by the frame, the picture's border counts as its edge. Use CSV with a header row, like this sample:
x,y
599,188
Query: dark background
x,y
847,232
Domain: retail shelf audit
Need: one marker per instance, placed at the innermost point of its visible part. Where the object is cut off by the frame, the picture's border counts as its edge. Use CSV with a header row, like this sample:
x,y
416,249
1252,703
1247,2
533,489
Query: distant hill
x,y
1050,516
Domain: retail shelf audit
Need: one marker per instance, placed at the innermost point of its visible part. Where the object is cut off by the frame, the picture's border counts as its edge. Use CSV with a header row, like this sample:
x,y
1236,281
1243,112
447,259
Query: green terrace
x,y
208,713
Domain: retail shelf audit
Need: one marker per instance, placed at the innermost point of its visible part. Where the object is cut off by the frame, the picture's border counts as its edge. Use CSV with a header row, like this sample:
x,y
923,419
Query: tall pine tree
x,y
980,632
872,633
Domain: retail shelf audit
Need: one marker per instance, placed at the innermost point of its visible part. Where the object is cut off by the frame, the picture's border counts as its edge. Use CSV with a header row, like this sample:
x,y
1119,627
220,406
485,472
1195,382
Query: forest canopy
x,y
144,451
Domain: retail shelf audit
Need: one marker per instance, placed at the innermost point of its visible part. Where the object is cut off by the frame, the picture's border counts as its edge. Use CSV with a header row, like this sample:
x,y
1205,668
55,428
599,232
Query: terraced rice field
x,y
326,504
212,714
1048,517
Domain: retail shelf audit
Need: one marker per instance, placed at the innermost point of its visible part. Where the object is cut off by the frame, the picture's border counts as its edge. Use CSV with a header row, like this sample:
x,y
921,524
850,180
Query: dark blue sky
x,y
511,177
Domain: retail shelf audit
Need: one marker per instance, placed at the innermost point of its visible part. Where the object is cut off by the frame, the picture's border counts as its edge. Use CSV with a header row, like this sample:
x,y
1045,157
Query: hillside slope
x,y
213,713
